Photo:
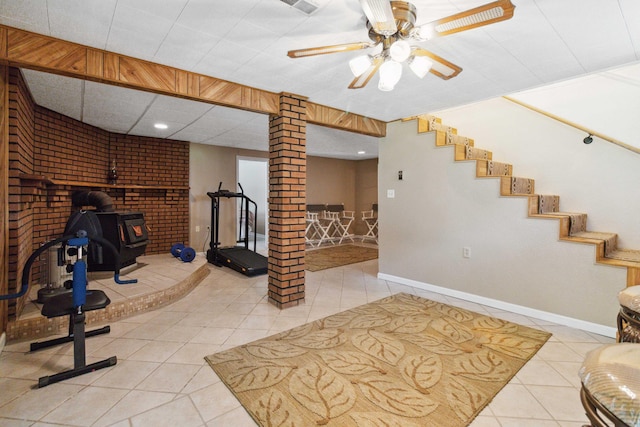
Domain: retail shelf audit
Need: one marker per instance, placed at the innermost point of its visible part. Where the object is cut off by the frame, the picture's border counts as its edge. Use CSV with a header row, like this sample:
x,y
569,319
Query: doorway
x,y
253,174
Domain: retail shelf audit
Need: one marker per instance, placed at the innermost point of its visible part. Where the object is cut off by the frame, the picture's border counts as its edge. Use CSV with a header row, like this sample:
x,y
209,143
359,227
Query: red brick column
x,y
287,201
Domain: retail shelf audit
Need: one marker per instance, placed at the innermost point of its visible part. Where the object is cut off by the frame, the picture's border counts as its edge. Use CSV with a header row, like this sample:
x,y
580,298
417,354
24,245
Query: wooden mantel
x,y
23,49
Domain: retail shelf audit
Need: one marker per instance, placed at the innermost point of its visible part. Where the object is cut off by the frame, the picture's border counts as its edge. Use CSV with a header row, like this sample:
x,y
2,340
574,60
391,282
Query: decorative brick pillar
x,y
287,201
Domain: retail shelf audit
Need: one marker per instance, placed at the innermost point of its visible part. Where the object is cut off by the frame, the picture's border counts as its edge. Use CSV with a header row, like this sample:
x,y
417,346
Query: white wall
x,y
253,175
440,207
599,179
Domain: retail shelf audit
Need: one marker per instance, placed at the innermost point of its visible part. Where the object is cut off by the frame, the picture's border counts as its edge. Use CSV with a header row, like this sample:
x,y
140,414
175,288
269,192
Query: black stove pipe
x,y
101,200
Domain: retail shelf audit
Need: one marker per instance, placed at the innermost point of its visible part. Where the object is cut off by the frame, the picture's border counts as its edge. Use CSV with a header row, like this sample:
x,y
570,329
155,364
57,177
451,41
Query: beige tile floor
x,y
162,379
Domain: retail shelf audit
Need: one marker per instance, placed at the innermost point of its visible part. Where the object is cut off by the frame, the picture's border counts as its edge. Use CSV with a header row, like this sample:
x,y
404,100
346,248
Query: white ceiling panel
x,y
246,41
57,93
86,22
176,110
30,15
184,47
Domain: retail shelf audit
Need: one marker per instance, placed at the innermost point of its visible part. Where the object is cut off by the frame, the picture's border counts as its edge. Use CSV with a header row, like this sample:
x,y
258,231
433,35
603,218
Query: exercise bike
x,y
73,304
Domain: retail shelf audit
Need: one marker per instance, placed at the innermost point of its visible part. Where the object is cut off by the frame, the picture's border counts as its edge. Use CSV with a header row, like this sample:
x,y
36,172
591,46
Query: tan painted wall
x,y
333,181
366,191
208,166
440,207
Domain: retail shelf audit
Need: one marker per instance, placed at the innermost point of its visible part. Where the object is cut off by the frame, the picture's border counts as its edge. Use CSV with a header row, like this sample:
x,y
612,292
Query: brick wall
x,y
287,202
60,148
22,201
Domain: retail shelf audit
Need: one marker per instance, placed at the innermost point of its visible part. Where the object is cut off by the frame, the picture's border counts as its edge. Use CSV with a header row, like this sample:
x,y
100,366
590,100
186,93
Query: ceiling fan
x,y
392,25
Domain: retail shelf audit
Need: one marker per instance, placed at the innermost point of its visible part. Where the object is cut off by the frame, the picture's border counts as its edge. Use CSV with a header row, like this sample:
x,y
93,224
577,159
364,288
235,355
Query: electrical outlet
x,y
466,252
197,228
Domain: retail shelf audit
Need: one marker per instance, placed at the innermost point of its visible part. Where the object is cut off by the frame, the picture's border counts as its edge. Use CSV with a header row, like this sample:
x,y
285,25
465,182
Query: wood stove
x,y
127,231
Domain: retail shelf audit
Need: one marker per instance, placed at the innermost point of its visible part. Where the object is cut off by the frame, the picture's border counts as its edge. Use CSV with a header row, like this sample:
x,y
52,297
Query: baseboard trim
x,y
514,308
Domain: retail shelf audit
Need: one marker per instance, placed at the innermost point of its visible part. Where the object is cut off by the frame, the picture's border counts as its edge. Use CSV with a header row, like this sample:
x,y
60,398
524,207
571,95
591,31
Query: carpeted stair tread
x,y
594,235
516,186
631,255
609,240
447,138
467,152
492,169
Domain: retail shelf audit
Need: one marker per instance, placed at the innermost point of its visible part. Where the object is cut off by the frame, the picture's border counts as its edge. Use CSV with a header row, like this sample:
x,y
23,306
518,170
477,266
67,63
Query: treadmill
x,y
240,258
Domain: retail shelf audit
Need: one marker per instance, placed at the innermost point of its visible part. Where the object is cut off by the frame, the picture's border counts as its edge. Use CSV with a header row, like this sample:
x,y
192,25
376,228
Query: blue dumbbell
x,y
185,253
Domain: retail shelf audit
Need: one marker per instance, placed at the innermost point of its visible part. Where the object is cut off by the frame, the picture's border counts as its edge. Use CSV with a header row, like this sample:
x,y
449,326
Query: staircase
x,y
573,226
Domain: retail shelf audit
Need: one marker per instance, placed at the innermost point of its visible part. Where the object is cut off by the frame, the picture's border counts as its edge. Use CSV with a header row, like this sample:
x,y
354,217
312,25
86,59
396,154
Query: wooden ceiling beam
x,y
24,49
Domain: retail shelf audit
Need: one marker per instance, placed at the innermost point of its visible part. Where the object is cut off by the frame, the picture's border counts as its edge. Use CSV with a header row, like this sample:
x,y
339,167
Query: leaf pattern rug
x,y
403,361
336,256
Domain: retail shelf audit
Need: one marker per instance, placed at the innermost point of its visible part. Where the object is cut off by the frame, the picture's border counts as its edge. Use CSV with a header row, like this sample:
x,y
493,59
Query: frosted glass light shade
x,y
400,51
390,73
420,66
360,64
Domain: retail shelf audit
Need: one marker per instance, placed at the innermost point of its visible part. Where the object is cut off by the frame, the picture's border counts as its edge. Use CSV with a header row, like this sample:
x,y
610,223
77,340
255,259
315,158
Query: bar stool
x,y
317,226
610,392
340,222
371,219
629,315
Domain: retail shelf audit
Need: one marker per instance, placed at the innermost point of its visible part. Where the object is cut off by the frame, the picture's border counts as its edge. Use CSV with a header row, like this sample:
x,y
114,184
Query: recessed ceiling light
x,y
160,126
361,152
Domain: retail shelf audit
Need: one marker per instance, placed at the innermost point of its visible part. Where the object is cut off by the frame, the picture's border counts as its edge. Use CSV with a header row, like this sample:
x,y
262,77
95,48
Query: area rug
x,y
336,256
402,361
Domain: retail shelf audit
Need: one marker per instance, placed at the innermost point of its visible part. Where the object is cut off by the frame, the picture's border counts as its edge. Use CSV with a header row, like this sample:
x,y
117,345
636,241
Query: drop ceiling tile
x,y
214,18
57,93
30,15
184,48
246,34
170,10
136,32
175,110
103,103
596,36
193,135
81,21
145,127
274,16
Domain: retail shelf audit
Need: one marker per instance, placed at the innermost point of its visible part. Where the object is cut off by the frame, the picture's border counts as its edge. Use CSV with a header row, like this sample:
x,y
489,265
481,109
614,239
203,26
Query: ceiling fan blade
x,y
489,13
380,15
322,50
441,67
362,80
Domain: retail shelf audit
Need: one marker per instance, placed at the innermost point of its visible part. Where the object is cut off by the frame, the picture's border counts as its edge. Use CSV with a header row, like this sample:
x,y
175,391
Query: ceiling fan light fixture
x,y
400,51
420,66
360,64
390,73
424,32
380,15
